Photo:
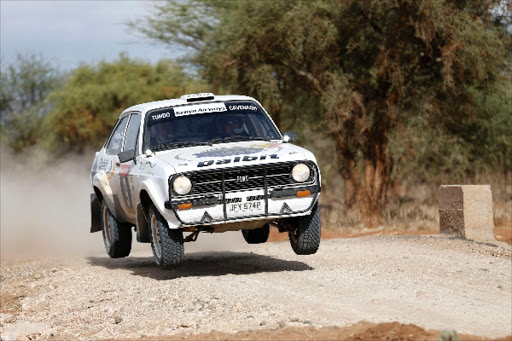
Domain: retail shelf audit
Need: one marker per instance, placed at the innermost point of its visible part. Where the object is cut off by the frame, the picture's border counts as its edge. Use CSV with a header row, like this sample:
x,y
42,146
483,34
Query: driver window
x,y
132,133
116,140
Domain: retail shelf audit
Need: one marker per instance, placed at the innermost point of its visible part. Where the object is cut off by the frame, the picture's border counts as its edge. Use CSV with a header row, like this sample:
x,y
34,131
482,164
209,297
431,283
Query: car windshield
x,y
207,123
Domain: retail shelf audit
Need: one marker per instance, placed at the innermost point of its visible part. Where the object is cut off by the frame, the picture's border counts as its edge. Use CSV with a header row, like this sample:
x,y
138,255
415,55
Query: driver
x,y
162,133
232,126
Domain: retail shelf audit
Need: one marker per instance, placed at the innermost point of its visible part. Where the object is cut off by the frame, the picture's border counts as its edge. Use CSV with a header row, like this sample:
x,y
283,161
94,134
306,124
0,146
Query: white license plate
x,y
245,207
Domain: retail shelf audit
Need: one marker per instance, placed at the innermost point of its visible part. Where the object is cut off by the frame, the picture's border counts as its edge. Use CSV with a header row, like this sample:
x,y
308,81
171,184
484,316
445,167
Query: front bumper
x,y
269,194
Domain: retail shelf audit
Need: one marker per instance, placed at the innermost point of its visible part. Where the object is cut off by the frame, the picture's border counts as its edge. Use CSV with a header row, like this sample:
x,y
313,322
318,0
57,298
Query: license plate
x,y
245,207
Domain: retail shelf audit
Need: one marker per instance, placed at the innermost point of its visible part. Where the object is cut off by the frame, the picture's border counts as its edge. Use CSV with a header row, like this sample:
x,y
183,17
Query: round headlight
x,y
300,172
182,185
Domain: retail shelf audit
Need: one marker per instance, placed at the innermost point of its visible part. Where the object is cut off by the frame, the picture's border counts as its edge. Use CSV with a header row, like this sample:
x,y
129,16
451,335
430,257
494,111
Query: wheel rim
x,y
295,235
156,236
106,225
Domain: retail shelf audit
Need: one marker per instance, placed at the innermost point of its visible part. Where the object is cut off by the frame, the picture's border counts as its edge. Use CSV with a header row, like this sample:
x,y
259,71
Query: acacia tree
x,y
87,106
24,88
374,66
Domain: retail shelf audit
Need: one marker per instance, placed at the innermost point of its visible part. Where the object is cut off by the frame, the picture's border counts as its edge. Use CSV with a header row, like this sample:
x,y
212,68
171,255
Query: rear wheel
x,y
257,236
305,239
167,244
117,236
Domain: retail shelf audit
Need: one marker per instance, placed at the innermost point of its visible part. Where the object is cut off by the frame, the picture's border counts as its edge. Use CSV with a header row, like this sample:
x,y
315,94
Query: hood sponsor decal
x,y
266,145
236,159
226,155
220,152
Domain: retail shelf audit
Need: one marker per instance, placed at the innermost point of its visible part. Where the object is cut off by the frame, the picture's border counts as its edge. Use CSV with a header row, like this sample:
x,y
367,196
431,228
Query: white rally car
x,y
202,163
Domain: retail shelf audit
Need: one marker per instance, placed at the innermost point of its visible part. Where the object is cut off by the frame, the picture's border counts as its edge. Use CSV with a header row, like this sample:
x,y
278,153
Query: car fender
x,y
100,181
311,157
158,199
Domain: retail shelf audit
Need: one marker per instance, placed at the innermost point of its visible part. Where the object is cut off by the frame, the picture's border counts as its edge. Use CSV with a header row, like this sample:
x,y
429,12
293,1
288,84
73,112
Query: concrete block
x,y
451,197
466,210
451,221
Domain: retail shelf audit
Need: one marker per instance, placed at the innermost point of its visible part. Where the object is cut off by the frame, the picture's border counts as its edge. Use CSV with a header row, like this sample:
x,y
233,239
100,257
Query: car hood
x,y
230,155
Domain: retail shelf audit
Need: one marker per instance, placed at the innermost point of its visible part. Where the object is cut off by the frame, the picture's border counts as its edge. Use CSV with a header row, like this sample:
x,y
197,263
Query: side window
x,y
264,126
132,133
116,140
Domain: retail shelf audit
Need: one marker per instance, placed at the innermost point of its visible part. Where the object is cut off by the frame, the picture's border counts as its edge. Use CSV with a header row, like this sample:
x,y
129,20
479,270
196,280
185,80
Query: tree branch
x,y
309,76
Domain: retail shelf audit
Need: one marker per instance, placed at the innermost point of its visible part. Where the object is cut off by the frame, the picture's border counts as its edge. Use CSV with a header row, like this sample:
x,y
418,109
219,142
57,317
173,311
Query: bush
x,y
86,108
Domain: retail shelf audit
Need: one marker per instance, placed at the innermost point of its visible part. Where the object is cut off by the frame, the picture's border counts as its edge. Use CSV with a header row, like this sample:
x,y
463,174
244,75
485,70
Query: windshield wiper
x,y
179,144
229,139
240,138
260,138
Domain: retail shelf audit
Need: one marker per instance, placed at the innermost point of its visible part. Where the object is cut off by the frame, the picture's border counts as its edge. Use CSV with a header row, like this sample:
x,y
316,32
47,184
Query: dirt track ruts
x,y
434,282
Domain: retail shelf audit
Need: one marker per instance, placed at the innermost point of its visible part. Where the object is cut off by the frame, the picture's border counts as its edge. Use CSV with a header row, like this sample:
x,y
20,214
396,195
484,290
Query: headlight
x,y
300,172
182,185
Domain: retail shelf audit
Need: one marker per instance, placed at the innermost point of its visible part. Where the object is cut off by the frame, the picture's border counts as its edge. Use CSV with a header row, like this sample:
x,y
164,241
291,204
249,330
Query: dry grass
x,y
411,208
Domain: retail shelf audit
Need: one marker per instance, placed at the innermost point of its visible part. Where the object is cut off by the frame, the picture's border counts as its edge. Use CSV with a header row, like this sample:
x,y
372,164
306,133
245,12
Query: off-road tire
x,y
257,236
305,239
117,237
166,243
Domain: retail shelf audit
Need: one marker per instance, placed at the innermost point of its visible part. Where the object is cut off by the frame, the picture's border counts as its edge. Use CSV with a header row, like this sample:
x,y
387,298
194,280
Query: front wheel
x,y
117,236
167,244
305,238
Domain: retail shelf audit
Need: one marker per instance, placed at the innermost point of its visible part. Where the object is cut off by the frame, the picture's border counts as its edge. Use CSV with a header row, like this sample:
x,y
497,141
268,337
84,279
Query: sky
x,y
70,32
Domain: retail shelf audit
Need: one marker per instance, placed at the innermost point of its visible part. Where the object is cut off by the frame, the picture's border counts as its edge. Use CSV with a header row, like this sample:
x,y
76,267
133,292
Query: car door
x,y
109,163
127,171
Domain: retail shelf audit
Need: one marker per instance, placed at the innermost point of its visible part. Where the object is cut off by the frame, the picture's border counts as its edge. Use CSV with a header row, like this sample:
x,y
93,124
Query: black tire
x,y
167,244
117,237
305,239
257,236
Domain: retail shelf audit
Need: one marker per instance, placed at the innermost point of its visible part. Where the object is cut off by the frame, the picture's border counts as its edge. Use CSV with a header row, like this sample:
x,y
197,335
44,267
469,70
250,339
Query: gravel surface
x,y
435,282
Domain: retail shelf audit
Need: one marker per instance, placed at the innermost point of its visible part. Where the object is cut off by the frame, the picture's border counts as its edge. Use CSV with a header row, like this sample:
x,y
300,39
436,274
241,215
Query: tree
x,y
376,67
24,89
88,105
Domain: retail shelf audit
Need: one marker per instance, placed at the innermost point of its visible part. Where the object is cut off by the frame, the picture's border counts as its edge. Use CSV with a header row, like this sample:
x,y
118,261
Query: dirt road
x,y
431,281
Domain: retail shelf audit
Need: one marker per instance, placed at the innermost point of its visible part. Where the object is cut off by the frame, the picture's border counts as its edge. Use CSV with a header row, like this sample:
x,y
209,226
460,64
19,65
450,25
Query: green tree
x,y
86,108
24,89
376,68
482,144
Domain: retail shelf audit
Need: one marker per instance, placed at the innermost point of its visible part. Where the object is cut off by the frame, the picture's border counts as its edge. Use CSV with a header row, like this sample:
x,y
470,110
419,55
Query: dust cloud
x,y
45,210
45,206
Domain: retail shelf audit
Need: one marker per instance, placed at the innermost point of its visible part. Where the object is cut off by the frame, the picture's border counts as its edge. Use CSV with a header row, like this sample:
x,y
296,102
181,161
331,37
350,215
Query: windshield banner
x,y
199,109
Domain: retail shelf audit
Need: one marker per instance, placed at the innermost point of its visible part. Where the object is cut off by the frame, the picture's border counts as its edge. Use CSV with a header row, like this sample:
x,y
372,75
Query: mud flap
x,y
142,226
95,214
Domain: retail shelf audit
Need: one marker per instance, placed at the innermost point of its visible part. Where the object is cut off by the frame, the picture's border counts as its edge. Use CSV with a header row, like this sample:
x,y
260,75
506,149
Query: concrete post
x,y
467,211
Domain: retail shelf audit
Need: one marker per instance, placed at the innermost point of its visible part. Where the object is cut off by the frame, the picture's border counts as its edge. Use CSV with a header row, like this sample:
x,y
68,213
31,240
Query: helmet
x,y
162,132
232,123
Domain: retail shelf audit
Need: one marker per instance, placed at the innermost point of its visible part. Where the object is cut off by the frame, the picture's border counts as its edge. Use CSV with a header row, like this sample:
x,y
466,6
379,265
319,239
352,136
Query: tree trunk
x,y
350,194
369,186
349,188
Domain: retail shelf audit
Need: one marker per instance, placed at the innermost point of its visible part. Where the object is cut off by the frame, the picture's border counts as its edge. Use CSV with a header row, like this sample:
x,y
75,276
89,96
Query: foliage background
x,y
436,75
405,91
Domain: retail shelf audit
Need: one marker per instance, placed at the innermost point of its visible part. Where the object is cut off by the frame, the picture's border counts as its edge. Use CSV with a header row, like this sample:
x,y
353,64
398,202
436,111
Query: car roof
x,y
145,107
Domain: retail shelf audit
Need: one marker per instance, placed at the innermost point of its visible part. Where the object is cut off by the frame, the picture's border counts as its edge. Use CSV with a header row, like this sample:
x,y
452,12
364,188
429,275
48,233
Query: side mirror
x,y
290,136
127,155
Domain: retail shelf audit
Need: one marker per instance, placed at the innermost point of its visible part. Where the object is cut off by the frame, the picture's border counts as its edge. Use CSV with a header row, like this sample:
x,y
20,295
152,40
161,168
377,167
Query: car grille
x,y
244,178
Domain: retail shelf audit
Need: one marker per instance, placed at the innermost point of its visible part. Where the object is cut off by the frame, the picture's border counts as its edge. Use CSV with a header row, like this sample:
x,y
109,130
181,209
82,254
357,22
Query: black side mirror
x,y
127,155
290,136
